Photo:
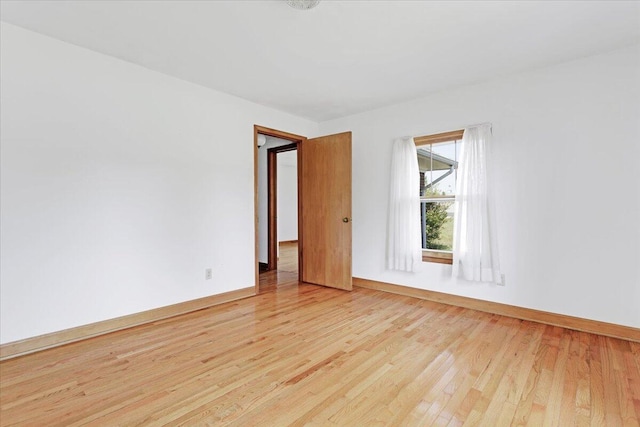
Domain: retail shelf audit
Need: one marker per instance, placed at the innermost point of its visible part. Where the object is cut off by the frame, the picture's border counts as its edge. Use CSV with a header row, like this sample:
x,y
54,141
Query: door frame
x,y
295,139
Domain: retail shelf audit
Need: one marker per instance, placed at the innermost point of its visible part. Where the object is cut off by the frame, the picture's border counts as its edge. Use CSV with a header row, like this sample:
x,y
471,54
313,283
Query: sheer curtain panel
x,y
404,250
475,250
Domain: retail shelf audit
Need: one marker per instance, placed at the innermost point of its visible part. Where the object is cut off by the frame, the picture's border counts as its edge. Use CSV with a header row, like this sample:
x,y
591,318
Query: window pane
x,y
438,164
437,225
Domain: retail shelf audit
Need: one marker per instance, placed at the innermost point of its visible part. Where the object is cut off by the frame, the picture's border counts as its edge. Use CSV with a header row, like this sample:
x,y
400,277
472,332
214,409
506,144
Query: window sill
x,y
440,257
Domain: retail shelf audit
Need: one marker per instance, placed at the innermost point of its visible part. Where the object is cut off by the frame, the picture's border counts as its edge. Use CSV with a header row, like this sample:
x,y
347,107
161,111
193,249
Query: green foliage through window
x,y
436,217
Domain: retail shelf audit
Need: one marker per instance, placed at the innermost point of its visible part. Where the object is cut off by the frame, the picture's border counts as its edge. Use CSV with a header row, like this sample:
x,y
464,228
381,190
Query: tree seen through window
x,y
438,165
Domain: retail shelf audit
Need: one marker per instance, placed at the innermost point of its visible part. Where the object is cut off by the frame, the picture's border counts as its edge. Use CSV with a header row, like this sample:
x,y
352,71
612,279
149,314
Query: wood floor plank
x,y
300,354
554,405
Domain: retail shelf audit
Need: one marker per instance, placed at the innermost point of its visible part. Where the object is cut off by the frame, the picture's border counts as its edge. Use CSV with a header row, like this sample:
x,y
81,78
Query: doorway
x,y
282,201
269,144
324,208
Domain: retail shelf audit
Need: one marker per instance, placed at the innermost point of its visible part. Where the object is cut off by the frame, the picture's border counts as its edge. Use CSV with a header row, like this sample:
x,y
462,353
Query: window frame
x,y
433,255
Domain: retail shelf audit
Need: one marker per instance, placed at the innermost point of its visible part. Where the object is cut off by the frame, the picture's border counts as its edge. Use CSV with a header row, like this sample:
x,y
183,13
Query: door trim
x,y
297,139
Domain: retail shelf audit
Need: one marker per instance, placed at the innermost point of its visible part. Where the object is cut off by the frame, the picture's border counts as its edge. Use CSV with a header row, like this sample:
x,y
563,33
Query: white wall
x,y
566,148
119,187
288,196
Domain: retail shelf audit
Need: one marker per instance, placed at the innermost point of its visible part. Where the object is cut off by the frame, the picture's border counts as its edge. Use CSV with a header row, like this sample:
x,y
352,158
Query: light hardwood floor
x,y
300,354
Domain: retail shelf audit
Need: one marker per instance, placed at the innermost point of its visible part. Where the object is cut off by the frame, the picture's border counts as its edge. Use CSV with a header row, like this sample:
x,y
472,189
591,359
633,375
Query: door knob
x,y
345,219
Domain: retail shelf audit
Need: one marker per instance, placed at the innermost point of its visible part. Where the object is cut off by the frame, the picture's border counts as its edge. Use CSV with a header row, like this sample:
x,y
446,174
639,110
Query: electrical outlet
x,y
208,274
503,281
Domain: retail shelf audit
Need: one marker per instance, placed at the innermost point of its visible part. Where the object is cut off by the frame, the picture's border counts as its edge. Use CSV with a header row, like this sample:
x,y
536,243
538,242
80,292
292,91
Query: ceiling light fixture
x,y
303,4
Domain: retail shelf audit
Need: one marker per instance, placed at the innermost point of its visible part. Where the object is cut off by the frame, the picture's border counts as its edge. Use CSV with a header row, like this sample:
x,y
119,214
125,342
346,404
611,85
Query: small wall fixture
x,y
303,4
261,140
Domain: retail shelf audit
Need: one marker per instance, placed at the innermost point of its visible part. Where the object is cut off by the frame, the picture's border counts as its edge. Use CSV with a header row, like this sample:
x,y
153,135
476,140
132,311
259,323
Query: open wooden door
x,y
325,211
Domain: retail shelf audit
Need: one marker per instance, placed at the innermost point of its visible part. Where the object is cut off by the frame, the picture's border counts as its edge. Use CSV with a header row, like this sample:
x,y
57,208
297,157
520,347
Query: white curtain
x,y
475,250
404,250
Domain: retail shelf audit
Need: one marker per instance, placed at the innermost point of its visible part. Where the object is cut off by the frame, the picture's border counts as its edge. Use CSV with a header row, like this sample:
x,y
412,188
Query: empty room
x,y
319,212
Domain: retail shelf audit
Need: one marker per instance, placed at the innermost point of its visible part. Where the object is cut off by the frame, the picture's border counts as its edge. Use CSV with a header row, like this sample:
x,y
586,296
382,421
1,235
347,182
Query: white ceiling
x,y
342,57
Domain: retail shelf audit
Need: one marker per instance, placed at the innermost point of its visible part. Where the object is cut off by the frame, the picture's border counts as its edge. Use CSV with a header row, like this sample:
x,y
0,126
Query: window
x,y
438,163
